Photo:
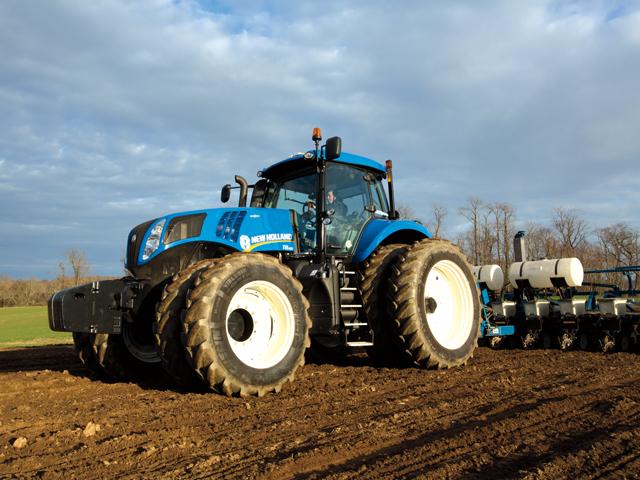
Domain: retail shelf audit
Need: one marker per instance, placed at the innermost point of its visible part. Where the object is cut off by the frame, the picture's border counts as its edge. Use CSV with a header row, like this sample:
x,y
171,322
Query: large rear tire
x,y
168,327
247,325
374,289
434,304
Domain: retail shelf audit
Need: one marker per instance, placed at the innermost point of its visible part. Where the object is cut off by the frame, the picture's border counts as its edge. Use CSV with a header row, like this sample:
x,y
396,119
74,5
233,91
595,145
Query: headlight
x,y
153,241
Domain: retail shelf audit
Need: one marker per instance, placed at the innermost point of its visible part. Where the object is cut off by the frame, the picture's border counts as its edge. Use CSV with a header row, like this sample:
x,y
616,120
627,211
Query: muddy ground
x,y
537,414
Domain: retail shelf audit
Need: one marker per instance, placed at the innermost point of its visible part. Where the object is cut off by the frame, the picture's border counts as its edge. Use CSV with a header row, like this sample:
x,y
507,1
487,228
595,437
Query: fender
x,y
383,231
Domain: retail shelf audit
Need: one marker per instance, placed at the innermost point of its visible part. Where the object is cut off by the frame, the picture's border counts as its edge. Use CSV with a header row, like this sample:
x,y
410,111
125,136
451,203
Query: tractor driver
x,y
335,204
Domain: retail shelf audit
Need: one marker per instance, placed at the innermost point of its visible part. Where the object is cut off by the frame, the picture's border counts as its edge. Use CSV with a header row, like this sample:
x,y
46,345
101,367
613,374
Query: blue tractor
x,y
232,298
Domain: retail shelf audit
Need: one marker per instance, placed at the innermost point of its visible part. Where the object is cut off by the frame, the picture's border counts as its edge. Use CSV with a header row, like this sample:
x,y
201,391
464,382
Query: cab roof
x,y
299,161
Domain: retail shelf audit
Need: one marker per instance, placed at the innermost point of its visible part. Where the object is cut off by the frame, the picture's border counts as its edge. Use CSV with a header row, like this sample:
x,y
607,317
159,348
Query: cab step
x,y
360,343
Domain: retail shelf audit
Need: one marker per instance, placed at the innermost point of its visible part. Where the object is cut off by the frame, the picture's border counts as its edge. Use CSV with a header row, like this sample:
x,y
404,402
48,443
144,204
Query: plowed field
x,y
535,414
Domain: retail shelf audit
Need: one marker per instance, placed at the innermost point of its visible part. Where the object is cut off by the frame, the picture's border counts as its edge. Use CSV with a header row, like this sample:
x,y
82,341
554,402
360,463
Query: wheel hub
x,y
449,304
260,324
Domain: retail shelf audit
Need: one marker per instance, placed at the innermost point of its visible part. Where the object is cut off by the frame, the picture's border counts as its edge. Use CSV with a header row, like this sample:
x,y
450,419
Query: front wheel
x,y
168,326
434,305
247,325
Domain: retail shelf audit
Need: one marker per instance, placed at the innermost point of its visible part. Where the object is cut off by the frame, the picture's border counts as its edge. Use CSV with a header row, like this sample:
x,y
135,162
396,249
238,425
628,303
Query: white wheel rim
x,y
452,320
260,324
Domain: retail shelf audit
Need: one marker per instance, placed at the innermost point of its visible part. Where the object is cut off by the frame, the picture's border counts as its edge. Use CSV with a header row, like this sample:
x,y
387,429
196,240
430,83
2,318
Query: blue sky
x,y
116,112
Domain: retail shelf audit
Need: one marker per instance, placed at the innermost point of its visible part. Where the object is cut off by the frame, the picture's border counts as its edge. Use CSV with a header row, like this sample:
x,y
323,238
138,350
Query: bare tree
x,y
503,215
62,277
487,238
78,261
571,229
472,212
28,292
619,244
439,213
7,292
541,242
405,211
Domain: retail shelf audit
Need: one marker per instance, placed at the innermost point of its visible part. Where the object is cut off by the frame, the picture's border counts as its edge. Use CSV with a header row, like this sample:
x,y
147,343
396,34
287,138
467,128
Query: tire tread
x,y
199,350
406,318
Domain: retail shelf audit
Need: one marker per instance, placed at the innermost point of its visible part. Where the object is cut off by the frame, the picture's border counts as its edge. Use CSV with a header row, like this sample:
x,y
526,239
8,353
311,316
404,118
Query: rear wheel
x,y
374,287
434,305
247,325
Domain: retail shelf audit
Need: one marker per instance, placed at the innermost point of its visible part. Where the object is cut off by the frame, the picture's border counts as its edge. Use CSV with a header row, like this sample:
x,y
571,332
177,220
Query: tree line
x,y
488,239
74,270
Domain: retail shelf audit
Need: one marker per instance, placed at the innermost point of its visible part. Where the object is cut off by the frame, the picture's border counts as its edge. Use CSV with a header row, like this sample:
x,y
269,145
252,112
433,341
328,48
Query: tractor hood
x,y
241,229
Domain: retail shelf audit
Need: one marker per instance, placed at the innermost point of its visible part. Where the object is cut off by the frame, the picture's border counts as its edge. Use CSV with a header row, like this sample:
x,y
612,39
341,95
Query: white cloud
x,y
117,112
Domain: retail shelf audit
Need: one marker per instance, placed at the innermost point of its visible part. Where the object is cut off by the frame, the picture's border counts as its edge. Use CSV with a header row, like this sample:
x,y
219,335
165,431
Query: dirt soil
x,y
535,414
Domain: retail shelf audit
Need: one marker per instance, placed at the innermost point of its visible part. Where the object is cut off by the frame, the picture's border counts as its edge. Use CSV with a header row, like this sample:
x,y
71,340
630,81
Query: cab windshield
x,y
354,196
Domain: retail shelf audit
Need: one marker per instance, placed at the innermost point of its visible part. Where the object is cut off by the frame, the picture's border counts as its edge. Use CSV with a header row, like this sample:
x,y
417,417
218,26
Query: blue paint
x,y
377,230
485,296
241,229
499,331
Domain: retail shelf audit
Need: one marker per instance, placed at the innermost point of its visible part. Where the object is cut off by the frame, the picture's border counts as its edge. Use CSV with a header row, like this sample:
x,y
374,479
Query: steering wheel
x,y
355,217
309,215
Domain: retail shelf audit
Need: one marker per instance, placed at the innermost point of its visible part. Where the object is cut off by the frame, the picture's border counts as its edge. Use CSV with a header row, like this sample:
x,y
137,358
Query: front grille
x,y
133,246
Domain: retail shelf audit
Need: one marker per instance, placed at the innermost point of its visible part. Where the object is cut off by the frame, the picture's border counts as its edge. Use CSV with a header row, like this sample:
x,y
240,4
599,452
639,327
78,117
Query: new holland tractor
x,y
233,297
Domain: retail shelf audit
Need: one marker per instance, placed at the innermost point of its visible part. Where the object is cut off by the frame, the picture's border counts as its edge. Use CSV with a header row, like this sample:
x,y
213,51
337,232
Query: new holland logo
x,y
249,243
272,237
245,242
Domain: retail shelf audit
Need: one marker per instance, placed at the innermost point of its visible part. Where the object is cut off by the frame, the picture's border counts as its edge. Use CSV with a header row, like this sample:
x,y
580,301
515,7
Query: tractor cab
x,y
354,195
330,223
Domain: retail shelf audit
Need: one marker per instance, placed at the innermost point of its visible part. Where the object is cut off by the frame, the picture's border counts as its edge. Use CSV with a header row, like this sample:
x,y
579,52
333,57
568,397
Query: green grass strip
x,y
20,326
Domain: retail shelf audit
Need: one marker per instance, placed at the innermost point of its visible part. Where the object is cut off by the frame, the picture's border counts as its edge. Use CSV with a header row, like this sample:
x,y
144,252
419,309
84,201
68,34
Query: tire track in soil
x,y
502,467
301,448
438,457
542,423
356,439
535,413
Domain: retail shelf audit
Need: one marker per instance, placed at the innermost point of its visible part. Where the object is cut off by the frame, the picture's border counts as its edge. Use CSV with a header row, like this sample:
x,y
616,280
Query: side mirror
x,y
225,193
333,148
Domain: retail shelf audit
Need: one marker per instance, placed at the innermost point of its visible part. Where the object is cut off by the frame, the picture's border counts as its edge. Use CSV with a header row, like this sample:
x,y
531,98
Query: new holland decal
x,y
248,243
